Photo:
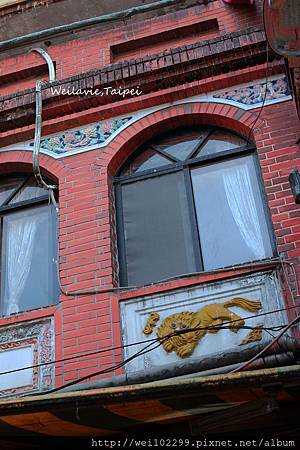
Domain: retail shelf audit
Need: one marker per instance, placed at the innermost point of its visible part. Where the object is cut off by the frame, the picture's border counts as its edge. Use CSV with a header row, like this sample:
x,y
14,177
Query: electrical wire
x,y
51,188
104,290
265,349
184,331
277,328
263,102
284,328
266,83
286,276
292,323
143,351
97,352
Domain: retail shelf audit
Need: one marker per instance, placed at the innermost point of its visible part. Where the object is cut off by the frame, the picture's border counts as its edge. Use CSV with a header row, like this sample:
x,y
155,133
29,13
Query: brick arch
x,y
208,113
21,161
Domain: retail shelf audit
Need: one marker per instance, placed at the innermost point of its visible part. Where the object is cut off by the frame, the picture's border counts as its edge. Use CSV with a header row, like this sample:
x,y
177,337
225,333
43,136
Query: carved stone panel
x,y
226,318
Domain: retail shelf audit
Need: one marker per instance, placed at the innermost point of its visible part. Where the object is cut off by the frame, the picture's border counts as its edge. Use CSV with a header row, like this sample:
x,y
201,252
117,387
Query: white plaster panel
x,y
16,359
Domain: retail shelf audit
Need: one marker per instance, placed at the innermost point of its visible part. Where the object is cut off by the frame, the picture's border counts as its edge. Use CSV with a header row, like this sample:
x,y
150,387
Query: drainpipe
x,y
68,28
48,60
38,124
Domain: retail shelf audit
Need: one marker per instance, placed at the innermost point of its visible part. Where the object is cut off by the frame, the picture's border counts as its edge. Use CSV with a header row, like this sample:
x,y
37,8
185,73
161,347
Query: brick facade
x,y
87,225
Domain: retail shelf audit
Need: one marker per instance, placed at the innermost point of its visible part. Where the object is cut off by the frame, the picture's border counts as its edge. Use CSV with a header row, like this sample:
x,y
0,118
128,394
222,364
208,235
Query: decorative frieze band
x,y
254,95
97,135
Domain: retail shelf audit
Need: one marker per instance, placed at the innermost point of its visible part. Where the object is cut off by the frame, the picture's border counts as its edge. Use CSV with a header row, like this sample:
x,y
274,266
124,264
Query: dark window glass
x,y
157,229
7,187
28,249
194,212
219,141
149,159
181,144
28,191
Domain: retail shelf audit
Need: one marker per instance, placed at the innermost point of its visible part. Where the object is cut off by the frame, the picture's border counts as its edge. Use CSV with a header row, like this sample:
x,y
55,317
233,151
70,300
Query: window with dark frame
x,y
28,246
191,200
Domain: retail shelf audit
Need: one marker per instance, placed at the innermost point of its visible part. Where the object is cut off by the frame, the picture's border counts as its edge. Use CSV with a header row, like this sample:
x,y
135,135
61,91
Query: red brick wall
x,y
94,52
87,323
88,251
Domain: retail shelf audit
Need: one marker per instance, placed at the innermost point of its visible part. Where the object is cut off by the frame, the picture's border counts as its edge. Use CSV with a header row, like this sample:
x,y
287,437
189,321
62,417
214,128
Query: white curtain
x,y
241,201
19,234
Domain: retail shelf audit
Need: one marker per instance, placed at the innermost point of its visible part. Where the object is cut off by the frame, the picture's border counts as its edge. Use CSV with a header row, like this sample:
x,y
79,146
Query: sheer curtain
x,y
19,235
241,201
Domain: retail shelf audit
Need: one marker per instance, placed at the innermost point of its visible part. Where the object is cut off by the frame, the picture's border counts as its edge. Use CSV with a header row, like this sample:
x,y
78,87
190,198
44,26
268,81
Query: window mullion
x,y
193,218
201,141
17,189
121,236
24,204
163,153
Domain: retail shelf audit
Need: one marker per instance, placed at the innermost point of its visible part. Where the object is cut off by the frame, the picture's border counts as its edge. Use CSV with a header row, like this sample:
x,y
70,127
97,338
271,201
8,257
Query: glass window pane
x,y
29,277
7,187
29,191
219,141
230,213
180,143
148,159
158,237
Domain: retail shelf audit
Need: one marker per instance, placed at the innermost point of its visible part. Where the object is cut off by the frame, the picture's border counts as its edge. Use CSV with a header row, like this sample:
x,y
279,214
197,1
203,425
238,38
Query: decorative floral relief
x,y
255,94
89,136
46,356
41,335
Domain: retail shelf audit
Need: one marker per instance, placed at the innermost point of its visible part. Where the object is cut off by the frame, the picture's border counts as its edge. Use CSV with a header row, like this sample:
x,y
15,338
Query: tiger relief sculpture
x,y
205,319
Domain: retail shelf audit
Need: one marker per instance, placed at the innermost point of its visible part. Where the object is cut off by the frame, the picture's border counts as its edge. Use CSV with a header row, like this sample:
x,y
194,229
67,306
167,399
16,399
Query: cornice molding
x,y
152,73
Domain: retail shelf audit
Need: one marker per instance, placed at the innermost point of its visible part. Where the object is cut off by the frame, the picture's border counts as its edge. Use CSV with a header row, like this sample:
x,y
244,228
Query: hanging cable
x,y
264,350
286,276
97,352
143,351
264,97
64,291
292,323
284,328
266,81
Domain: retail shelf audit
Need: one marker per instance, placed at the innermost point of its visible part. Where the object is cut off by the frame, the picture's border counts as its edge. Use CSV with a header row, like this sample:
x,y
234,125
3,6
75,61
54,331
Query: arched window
x,y
188,201
28,245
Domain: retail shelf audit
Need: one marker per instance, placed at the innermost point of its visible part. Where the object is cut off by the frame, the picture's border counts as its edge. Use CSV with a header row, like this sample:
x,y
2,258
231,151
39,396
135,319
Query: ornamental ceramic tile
x,y
85,137
98,135
253,95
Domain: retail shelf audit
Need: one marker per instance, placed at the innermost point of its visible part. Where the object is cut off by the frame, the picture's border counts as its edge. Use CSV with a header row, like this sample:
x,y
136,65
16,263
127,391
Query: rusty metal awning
x,y
103,412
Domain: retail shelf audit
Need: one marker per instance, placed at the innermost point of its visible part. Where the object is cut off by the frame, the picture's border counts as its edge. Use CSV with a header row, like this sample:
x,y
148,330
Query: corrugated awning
x,y
101,412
